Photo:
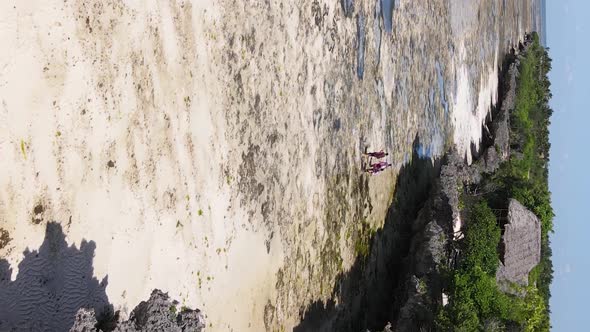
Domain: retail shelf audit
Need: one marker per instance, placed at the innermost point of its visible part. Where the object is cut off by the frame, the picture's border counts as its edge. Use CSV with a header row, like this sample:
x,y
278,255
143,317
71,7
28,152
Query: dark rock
x,y
85,321
491,160
156,314
4,238
429,249
500,150
416,314
429,255
38,209
501,124
38,214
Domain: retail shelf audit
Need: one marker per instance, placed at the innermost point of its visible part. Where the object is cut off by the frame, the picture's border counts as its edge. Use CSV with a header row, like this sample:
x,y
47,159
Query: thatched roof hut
x,y
521,246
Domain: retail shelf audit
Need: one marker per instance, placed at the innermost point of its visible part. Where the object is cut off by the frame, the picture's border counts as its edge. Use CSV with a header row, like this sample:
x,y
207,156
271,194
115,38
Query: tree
x,y
482,237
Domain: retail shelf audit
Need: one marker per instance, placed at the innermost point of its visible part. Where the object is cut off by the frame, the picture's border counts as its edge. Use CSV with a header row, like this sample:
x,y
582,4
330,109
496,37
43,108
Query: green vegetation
x,y
475,302
364,235
23,149
525,177
474,295
173,310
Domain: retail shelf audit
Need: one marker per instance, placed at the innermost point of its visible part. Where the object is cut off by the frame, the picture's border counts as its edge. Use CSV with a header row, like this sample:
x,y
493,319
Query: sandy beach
x,y
213,149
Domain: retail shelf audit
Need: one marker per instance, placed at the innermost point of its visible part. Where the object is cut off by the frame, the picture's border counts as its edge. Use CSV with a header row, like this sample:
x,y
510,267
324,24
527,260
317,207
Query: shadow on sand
x,y
371,293
52,283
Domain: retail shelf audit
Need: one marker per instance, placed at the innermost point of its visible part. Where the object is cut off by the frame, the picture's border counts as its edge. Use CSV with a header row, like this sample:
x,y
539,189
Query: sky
x,y
569,179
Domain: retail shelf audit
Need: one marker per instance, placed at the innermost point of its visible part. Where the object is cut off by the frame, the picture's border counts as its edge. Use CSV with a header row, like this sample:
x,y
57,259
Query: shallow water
x,y
441,88
387,7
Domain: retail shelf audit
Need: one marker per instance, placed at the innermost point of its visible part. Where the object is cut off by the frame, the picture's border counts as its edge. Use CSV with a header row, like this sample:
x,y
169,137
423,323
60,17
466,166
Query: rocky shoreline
x,y
400,282
159,313
432,252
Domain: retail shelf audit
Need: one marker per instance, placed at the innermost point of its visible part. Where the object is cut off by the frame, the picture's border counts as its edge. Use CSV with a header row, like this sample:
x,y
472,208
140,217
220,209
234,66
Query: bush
x,y
475,301
482,237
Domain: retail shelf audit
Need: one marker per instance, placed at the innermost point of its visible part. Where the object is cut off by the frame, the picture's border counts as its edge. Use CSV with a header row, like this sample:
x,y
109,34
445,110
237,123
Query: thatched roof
x,y
521,245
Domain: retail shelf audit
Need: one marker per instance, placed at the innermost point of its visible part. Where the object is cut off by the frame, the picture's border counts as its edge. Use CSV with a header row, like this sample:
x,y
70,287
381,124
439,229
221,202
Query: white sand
x,y
74,102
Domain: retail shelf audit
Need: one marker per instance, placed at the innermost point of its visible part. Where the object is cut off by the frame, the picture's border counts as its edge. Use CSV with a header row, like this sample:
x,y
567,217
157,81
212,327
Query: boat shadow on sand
x,y
372,292
52,284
